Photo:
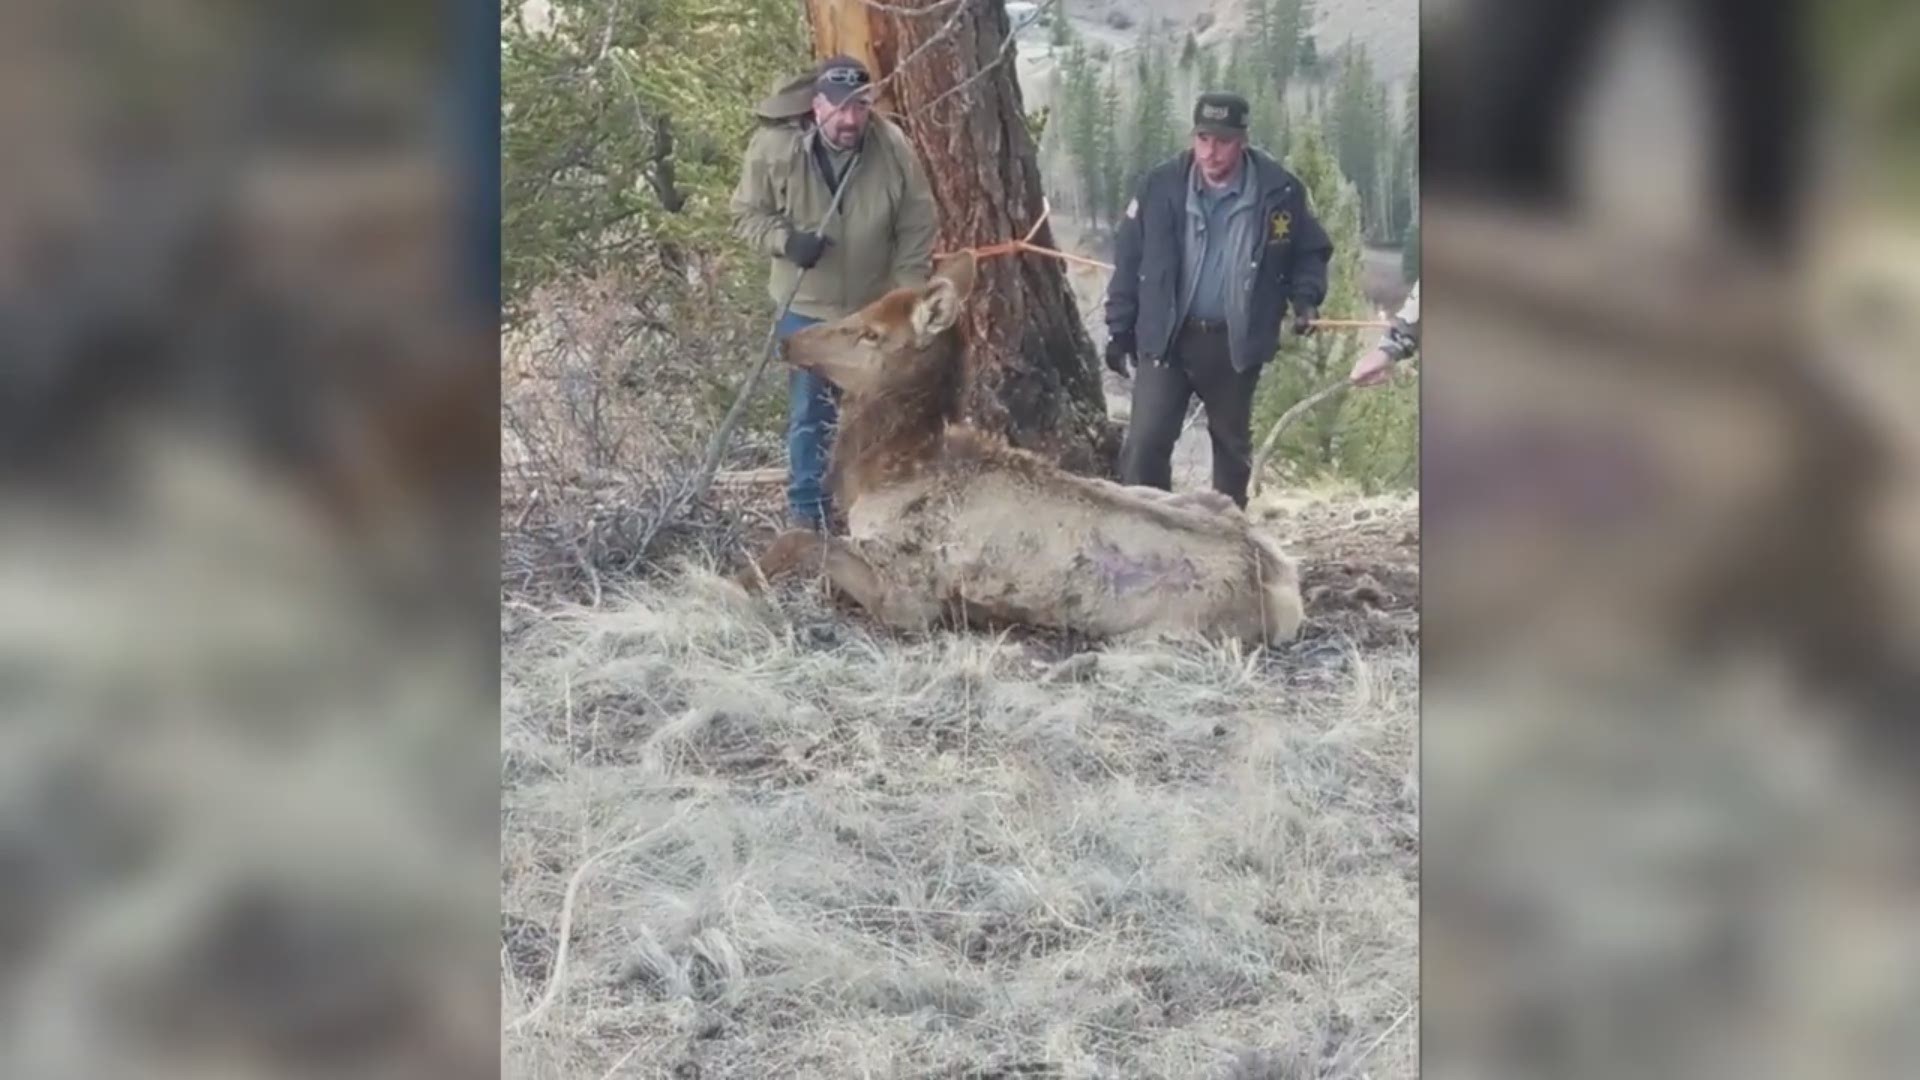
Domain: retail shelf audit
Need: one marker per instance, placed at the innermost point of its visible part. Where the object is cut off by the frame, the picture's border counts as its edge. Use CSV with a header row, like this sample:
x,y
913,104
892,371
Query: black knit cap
x,y
1220,113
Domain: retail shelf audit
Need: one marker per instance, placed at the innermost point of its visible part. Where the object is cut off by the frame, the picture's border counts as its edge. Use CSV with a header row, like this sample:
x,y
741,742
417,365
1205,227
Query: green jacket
x,y
882,233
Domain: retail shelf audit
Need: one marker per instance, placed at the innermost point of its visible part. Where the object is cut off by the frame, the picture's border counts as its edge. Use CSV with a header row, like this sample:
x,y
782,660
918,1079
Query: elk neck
x,y
888,435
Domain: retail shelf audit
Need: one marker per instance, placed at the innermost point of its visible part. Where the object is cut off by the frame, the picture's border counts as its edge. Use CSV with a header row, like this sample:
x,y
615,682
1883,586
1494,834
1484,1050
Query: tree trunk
x,y
1032,374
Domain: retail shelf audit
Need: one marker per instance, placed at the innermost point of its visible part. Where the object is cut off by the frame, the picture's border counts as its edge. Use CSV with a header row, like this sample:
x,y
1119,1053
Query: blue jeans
x,y
813,407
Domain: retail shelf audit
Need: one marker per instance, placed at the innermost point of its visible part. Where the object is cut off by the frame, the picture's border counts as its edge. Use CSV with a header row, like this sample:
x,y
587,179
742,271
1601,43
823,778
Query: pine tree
x,y
1112,167
1209,74
1370,438
1080,125
1410,120
1287,22
1060,31
1155,136
1268,124
1133,130
1309,63
1336,203
1070,59
1306,53
1357,124
1407,206
1386,174
634,162
1238,76
1259,32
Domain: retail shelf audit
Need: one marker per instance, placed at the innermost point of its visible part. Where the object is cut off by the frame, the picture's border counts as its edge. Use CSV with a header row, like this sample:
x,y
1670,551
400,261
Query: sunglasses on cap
x,y
844,76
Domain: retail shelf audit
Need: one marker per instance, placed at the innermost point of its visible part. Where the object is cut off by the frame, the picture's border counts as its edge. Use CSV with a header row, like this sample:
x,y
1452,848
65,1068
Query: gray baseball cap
x,y
841,77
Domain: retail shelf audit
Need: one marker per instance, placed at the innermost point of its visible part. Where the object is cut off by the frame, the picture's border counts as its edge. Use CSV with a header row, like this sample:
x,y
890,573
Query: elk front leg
x,y
790,551
852,573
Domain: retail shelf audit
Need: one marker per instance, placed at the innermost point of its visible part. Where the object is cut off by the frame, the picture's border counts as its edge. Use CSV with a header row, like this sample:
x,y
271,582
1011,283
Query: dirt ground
x,y
1359,563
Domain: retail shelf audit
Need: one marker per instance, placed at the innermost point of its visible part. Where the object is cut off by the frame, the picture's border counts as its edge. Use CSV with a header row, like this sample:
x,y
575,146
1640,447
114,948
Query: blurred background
x,y
1669,548
248,458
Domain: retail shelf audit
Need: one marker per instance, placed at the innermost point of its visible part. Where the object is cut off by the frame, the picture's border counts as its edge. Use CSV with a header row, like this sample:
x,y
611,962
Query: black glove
x,y
1119,351
1303,316
805,248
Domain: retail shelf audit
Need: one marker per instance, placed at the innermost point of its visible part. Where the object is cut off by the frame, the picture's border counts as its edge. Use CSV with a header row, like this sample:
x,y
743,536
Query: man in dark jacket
x,y
1214,245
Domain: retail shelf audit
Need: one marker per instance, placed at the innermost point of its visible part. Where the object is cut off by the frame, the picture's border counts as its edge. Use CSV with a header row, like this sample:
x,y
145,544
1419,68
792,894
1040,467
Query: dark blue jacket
x,y
1289,261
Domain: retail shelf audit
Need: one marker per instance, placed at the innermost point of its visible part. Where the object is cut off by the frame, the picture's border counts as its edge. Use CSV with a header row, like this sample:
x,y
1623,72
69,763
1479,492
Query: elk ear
x,y
958,268
937,309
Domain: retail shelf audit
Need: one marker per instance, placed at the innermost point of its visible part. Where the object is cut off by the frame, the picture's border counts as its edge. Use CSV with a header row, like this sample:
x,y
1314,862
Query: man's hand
x,y
1120,350
1303,318
1371,369
805,248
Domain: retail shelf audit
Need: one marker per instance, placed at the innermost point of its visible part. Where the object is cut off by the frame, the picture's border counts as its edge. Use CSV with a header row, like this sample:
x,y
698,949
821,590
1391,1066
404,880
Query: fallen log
x,y
750,477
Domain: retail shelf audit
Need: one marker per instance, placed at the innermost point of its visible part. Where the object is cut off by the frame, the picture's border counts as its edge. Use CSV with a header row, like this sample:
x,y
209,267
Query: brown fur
x,y
949,523
886,438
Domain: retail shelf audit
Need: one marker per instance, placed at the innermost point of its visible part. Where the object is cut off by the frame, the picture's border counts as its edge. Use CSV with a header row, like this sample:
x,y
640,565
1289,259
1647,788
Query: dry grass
x,y
797,847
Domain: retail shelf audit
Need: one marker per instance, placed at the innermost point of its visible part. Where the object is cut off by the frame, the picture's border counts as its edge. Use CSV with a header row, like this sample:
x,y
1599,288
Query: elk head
x,y
895,345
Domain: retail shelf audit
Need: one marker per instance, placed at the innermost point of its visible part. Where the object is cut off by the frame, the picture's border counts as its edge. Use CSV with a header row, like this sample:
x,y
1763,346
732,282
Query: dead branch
x,y
999,58
1286,421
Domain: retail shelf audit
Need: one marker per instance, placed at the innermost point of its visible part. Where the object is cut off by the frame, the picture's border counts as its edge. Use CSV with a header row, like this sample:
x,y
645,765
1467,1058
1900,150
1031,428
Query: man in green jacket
x,y
880,238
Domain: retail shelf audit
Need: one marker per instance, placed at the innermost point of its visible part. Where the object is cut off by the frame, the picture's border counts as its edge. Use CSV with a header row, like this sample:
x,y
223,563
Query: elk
x,y
950,525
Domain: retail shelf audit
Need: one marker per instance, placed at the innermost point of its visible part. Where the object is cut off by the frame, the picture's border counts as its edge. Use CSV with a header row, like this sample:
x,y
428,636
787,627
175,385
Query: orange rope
x,y
1025,243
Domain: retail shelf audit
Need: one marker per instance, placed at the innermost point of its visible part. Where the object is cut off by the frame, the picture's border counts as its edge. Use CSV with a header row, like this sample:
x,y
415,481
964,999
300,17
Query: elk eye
x,y
871,337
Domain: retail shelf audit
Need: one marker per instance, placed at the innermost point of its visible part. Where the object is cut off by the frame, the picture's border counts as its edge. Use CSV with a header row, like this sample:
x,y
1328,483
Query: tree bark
x,y
1032,374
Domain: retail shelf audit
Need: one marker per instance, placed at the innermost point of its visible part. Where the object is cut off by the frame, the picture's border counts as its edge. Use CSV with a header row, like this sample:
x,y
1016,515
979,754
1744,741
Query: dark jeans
x,y
1199,364
813,407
